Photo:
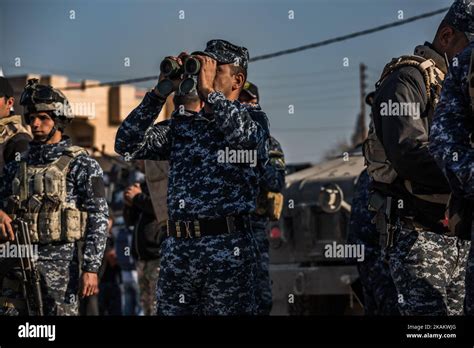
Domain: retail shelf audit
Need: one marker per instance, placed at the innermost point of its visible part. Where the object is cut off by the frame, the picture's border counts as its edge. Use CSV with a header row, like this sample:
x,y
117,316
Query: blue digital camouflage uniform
x,y
208,275
380,294
58,263
272,180
450,143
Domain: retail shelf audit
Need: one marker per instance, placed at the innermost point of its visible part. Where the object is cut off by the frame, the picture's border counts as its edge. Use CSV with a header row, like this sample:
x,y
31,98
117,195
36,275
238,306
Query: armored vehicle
x,y
308,275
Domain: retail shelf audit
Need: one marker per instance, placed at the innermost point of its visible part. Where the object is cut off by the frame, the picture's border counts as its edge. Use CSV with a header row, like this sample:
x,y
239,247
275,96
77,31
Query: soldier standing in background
x,y
451,140
269,204
380,295
410,192
15,137
62,202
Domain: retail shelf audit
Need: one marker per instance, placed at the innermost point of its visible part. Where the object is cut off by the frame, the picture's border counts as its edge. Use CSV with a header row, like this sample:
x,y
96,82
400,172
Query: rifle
x,y
29,272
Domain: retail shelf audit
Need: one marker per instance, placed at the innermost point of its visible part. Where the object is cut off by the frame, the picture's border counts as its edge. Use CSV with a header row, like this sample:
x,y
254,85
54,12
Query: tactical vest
x,y
39,196
9,127
428,62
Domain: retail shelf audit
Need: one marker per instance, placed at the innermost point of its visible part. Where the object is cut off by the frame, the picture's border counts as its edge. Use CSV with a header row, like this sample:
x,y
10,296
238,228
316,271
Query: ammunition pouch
x,y
384,219
39,197
270,204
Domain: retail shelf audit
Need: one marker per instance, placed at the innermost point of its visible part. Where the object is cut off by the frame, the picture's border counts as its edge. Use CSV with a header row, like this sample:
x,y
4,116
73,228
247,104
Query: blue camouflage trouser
x,y
59,281
263,283
469,302
212,275
429,271
380,294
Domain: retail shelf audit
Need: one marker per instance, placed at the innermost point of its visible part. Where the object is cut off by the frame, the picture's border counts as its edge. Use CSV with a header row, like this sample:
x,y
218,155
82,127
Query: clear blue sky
x,y
325,94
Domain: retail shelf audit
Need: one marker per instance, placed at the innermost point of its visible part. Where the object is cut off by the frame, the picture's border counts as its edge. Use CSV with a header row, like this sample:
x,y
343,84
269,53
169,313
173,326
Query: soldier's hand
x,y
6,230
132,191
89,284
207,74
111,257
180,59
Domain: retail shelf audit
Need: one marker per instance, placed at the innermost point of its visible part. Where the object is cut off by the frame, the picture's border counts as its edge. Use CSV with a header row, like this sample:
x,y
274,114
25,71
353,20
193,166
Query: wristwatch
x,y
215,96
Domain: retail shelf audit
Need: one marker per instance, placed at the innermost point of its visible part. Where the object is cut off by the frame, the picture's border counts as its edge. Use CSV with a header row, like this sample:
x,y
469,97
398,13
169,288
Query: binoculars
x,y
171,69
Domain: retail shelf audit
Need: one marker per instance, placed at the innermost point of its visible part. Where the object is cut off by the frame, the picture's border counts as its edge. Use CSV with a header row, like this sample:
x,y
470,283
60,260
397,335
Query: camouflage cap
x,y
225,52
461,17
251,89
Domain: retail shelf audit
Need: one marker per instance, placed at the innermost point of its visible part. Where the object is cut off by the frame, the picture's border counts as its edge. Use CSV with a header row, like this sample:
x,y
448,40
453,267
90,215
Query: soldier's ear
x,y
10,102
239,81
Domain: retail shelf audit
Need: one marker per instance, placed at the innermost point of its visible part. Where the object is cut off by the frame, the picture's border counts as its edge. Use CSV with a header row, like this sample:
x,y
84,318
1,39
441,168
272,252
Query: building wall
x,y
98,110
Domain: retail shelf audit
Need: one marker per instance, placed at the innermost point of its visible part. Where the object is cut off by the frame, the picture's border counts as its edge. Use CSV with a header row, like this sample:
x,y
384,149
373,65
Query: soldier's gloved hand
x,y
89,284
207,75
6,230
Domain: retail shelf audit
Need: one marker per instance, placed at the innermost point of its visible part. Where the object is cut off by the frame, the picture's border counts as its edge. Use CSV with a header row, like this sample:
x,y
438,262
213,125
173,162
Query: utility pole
x,y
360,129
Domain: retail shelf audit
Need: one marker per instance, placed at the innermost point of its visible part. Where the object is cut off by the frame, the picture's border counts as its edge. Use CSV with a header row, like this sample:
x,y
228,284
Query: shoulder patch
x,y
98,187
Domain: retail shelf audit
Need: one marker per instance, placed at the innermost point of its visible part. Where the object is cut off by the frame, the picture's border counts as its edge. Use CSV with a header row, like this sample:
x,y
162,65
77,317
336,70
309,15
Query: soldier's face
x,y
450,41
457,46
227,82
41,124
223,79
5,106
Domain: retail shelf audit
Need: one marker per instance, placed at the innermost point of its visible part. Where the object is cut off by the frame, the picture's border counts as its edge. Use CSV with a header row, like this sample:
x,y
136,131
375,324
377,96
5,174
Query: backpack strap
x,y
422,64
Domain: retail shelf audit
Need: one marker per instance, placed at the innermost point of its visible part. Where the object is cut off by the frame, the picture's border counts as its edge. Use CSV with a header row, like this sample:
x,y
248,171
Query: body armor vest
x,y
39,196
9,127
433,69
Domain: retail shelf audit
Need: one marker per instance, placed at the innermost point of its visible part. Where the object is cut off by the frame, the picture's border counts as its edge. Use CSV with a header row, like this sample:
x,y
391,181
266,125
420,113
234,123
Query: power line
x,y
290,83
349,36
304,99
288,51
345,70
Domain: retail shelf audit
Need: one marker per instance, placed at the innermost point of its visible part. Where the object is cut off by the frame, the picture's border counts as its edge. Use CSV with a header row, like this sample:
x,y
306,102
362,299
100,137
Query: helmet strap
x,y
50,135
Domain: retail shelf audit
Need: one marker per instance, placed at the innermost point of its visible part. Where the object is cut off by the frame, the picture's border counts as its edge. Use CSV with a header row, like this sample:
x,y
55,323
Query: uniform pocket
x,y
71,225
32,221
49,227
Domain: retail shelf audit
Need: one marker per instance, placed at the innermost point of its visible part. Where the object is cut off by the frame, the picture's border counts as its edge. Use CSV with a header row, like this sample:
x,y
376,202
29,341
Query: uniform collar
x,y
9,119
45,153
428,52
185,113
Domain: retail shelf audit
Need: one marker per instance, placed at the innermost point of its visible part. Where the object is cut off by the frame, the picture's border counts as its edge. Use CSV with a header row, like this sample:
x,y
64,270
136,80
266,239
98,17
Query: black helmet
x,y
37,98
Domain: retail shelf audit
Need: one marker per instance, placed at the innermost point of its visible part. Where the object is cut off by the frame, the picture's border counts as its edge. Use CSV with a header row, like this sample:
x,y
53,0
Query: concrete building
x,y
98,110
